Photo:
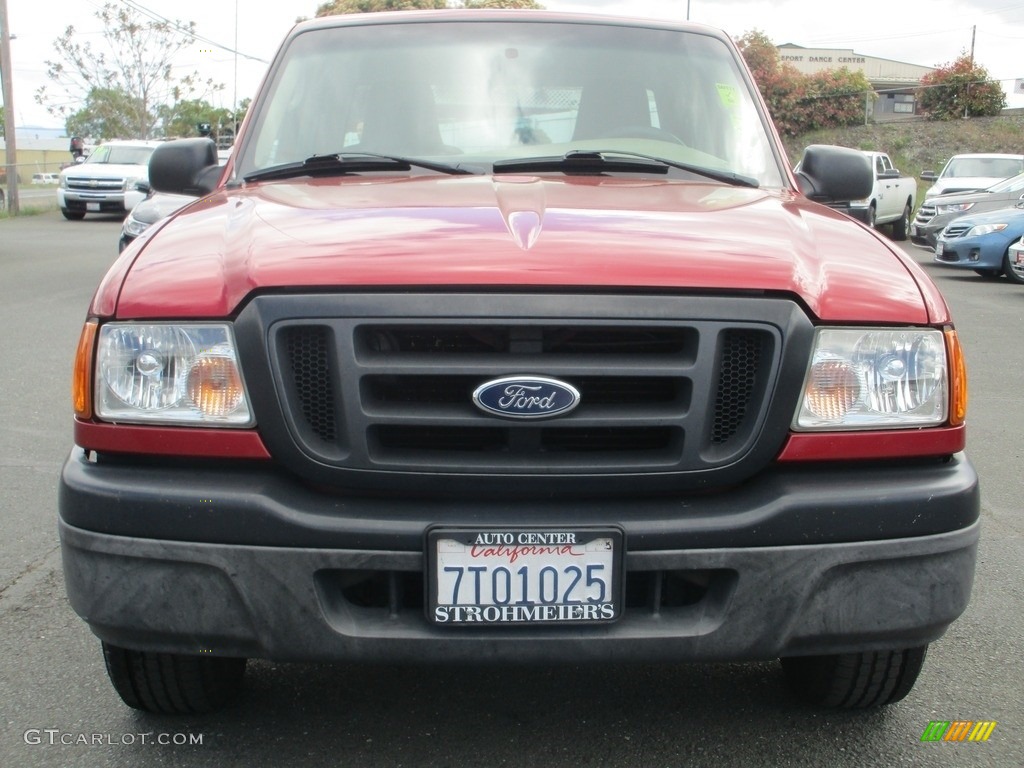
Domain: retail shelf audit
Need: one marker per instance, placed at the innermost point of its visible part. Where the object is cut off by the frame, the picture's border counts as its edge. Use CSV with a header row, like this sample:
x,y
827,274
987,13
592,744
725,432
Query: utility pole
x,y
974,31
11,152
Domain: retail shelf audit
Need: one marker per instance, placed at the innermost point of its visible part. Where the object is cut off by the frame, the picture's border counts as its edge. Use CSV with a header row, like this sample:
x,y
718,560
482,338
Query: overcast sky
x,y
914,31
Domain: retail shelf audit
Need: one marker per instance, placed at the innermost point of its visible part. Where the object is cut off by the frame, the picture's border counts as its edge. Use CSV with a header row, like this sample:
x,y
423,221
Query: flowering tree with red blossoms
x,y
800,103
960,89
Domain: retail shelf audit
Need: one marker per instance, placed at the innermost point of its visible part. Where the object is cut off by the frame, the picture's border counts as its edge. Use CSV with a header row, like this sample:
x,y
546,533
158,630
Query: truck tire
x,y
854,680
901,226
870,221
1012,276
72,215
172,684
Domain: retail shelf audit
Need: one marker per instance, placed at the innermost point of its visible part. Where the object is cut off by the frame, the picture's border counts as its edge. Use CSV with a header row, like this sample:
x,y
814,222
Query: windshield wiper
x,y
612,161
356,162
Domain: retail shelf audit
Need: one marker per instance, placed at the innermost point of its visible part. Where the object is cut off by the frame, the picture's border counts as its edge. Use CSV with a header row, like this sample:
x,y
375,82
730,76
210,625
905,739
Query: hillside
x,y
919,145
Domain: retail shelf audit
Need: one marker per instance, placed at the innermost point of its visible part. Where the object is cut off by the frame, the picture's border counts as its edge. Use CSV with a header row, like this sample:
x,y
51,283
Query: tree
x,y
131,71
799,103
336,7
183,118
960,89
107,113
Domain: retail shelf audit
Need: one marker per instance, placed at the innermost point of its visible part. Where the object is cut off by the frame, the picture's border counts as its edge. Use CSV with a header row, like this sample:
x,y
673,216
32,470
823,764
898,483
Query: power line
x,y
189,33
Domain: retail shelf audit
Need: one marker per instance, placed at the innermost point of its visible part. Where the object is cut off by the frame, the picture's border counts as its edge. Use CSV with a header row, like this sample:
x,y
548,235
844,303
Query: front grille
x,y
86,184
377,391
925,214
955,230
658,396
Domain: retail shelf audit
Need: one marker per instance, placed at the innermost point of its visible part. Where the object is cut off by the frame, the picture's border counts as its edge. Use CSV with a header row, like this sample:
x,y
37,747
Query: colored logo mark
x,y
958,730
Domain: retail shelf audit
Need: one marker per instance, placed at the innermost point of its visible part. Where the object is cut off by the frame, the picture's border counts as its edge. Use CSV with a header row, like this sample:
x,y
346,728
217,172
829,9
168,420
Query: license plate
x,y
914,230
938,247
502,577
1020,258
92,206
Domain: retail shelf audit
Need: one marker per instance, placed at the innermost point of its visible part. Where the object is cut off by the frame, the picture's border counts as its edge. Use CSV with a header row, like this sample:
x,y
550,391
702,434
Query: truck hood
x,y
998,216
509,232
960,185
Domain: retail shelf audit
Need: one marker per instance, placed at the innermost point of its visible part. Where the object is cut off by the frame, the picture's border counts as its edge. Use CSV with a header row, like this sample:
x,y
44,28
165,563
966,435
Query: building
x,y
895,82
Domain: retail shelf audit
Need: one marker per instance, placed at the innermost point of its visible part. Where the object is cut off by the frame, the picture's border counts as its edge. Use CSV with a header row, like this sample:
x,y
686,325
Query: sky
x,y
927,33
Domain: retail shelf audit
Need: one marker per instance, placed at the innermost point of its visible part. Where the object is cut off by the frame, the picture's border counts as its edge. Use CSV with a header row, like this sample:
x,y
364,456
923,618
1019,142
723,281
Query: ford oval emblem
x,y
526,397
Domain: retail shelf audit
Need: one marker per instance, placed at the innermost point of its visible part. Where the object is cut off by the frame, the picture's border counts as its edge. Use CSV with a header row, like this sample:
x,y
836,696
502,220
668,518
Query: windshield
x,y
481,92
121,155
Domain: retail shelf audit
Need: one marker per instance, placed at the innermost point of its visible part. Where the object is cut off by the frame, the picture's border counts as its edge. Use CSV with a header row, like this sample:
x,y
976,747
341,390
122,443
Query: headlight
x,y
875,379
130,182
62,181
133,227
985,229
170,374
953,208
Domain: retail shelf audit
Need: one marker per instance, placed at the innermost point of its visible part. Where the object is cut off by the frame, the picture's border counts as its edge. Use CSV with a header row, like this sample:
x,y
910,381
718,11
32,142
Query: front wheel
x,y
1013,277
854,680
72,215
871,217
171,683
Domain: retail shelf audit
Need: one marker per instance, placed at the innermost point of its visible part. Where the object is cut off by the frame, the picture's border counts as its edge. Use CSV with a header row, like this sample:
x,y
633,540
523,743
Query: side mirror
x,y
893,174
928,176
185,167
831,174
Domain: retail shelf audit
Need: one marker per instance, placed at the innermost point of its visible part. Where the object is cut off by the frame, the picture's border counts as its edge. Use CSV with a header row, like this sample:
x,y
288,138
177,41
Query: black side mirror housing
x,y
185,167
831,175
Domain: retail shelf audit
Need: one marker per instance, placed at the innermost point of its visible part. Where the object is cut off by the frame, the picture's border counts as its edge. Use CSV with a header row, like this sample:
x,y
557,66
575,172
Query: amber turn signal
x,y
81,379
957,379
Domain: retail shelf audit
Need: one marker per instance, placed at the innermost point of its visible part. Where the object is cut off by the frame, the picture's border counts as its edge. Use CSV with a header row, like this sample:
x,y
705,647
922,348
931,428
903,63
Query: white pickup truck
x,y
891,200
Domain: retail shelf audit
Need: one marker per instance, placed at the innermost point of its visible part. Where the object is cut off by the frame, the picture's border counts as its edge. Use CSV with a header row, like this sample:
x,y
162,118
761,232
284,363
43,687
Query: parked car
x,y
151,209
936,212
982,242
971,172
156,206
106,181
1015,260
45,178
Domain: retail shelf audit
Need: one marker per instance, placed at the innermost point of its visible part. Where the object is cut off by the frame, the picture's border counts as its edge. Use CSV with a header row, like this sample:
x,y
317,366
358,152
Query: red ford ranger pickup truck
x,y
511,337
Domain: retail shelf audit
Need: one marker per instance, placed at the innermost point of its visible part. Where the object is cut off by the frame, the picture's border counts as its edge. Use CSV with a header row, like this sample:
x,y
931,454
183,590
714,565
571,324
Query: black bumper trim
x,y
258,506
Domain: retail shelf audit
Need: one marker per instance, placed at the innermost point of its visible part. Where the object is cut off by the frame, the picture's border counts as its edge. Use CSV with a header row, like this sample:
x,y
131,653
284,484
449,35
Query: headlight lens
x,y
953,208
873,379
133,227
985,229
173,374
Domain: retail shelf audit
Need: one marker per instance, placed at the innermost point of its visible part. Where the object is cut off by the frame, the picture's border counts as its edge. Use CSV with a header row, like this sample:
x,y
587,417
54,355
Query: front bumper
x,y
803,562
98,202
970,254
